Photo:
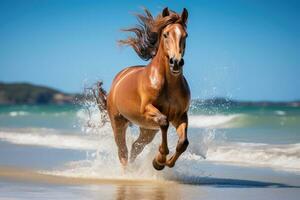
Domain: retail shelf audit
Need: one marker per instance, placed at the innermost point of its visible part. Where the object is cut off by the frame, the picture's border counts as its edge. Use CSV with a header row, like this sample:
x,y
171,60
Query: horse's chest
x,y
171,108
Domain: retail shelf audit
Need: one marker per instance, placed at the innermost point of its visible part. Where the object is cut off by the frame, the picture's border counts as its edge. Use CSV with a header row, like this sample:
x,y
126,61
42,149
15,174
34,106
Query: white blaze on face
x,y
178,32
178,36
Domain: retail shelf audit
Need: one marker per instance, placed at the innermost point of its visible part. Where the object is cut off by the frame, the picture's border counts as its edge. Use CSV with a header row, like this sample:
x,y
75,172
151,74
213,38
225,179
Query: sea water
x,y
70,140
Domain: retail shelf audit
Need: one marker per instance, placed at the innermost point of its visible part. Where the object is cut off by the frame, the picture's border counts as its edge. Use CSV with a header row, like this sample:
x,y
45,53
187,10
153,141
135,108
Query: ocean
x,y
239,146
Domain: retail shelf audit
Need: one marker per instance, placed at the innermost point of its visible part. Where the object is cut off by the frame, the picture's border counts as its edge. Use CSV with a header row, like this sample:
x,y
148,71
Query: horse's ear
x,y
184,15
165,12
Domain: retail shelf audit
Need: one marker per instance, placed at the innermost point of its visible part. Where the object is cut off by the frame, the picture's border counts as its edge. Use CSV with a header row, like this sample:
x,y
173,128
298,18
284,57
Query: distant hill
x,y
25,93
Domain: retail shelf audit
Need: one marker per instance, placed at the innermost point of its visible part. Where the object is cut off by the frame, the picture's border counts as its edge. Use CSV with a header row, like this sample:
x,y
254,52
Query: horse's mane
x,y
147,33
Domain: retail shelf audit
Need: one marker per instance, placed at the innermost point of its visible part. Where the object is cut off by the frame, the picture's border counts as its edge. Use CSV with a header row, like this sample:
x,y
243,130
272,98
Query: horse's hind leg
x,y
145,137
119,125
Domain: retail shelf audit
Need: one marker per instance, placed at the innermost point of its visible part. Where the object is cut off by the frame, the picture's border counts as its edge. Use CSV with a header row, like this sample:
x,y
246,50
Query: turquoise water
x,y
47,116
274,125
251,136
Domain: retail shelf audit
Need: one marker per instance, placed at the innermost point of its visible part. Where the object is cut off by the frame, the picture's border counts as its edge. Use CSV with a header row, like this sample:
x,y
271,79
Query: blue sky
x,y
246,50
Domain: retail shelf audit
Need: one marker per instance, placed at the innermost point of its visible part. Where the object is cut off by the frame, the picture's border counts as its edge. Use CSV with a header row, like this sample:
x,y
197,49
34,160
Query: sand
x,y
20,183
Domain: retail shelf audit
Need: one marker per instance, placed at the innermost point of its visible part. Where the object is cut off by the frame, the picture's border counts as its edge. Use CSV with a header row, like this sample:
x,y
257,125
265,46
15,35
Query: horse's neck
x,y
159,63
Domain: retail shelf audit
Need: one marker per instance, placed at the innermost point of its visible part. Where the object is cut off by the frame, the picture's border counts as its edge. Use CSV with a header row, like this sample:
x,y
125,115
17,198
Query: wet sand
x,y
22,183
19,183
19,174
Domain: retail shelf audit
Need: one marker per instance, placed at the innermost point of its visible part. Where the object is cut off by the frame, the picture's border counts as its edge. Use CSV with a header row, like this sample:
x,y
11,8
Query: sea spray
x,y
93,114
104,163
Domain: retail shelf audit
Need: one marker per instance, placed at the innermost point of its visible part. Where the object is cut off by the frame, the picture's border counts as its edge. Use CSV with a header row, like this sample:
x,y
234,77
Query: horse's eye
x,y
165,35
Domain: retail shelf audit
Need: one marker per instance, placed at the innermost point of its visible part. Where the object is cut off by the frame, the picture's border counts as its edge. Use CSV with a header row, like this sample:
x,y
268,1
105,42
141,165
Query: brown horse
x,y
154,95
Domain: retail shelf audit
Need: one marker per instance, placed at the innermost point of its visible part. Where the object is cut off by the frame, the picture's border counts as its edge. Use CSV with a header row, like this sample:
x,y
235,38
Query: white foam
x,y
284,157
102,161
90,119
47,139
211,121
17,113
280,112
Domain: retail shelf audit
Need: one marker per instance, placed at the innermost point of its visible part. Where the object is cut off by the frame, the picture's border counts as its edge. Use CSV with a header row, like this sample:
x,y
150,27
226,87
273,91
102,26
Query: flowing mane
x,y
147,33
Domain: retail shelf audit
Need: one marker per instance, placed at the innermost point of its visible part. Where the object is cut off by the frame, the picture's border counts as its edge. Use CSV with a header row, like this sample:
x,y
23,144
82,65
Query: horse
x,y
155,95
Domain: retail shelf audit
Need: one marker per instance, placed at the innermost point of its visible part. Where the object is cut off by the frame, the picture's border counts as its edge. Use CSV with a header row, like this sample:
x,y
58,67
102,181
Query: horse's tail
x,y
101,100
100,96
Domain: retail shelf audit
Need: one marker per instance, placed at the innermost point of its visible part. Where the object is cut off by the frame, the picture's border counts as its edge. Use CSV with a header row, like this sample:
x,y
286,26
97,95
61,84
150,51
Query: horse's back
x,y
123,95
125,72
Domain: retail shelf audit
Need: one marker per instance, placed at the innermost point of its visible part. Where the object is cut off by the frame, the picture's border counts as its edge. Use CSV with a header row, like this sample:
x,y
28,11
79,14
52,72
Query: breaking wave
x,y
102,160
48,138
17,113
212,121
284,156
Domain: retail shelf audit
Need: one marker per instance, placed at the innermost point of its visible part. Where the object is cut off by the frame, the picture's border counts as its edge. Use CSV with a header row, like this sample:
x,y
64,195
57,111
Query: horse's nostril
x,y
181,62
171,61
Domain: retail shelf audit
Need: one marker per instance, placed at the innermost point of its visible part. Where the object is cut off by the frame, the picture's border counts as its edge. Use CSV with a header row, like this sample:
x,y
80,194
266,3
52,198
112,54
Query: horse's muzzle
x,y
176,65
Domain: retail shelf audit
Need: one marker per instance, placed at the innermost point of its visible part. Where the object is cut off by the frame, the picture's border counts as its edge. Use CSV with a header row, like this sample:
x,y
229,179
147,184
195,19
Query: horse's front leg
x,y
152,113
181,129
160,160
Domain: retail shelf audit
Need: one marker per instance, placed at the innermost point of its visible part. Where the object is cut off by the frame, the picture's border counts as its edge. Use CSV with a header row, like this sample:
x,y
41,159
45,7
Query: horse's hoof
x,y
169,164
157,166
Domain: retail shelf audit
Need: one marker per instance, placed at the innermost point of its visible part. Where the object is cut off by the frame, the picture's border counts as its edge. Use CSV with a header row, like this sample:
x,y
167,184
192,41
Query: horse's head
x,y
166,32
173,38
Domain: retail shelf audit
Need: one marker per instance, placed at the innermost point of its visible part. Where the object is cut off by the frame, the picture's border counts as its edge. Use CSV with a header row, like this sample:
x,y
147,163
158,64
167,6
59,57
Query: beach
x,y
25,184
63,152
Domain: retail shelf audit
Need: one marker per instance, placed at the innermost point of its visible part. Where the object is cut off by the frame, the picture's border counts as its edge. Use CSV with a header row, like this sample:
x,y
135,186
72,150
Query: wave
x,y
286,157
189,167
102,160
49,138
102,152
93,117
17,113
212,121
280,112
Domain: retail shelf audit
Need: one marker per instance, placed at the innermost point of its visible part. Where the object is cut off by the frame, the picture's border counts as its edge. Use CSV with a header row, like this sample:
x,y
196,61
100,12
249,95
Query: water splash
x,y
104,162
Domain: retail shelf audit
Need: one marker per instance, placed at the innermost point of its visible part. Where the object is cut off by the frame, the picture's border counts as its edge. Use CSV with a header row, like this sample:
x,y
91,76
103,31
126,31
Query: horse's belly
x,y
140,120
128,105
144,123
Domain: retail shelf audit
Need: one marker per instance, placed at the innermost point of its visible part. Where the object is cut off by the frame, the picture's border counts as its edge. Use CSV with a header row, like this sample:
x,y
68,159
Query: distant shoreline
x,y
30,94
